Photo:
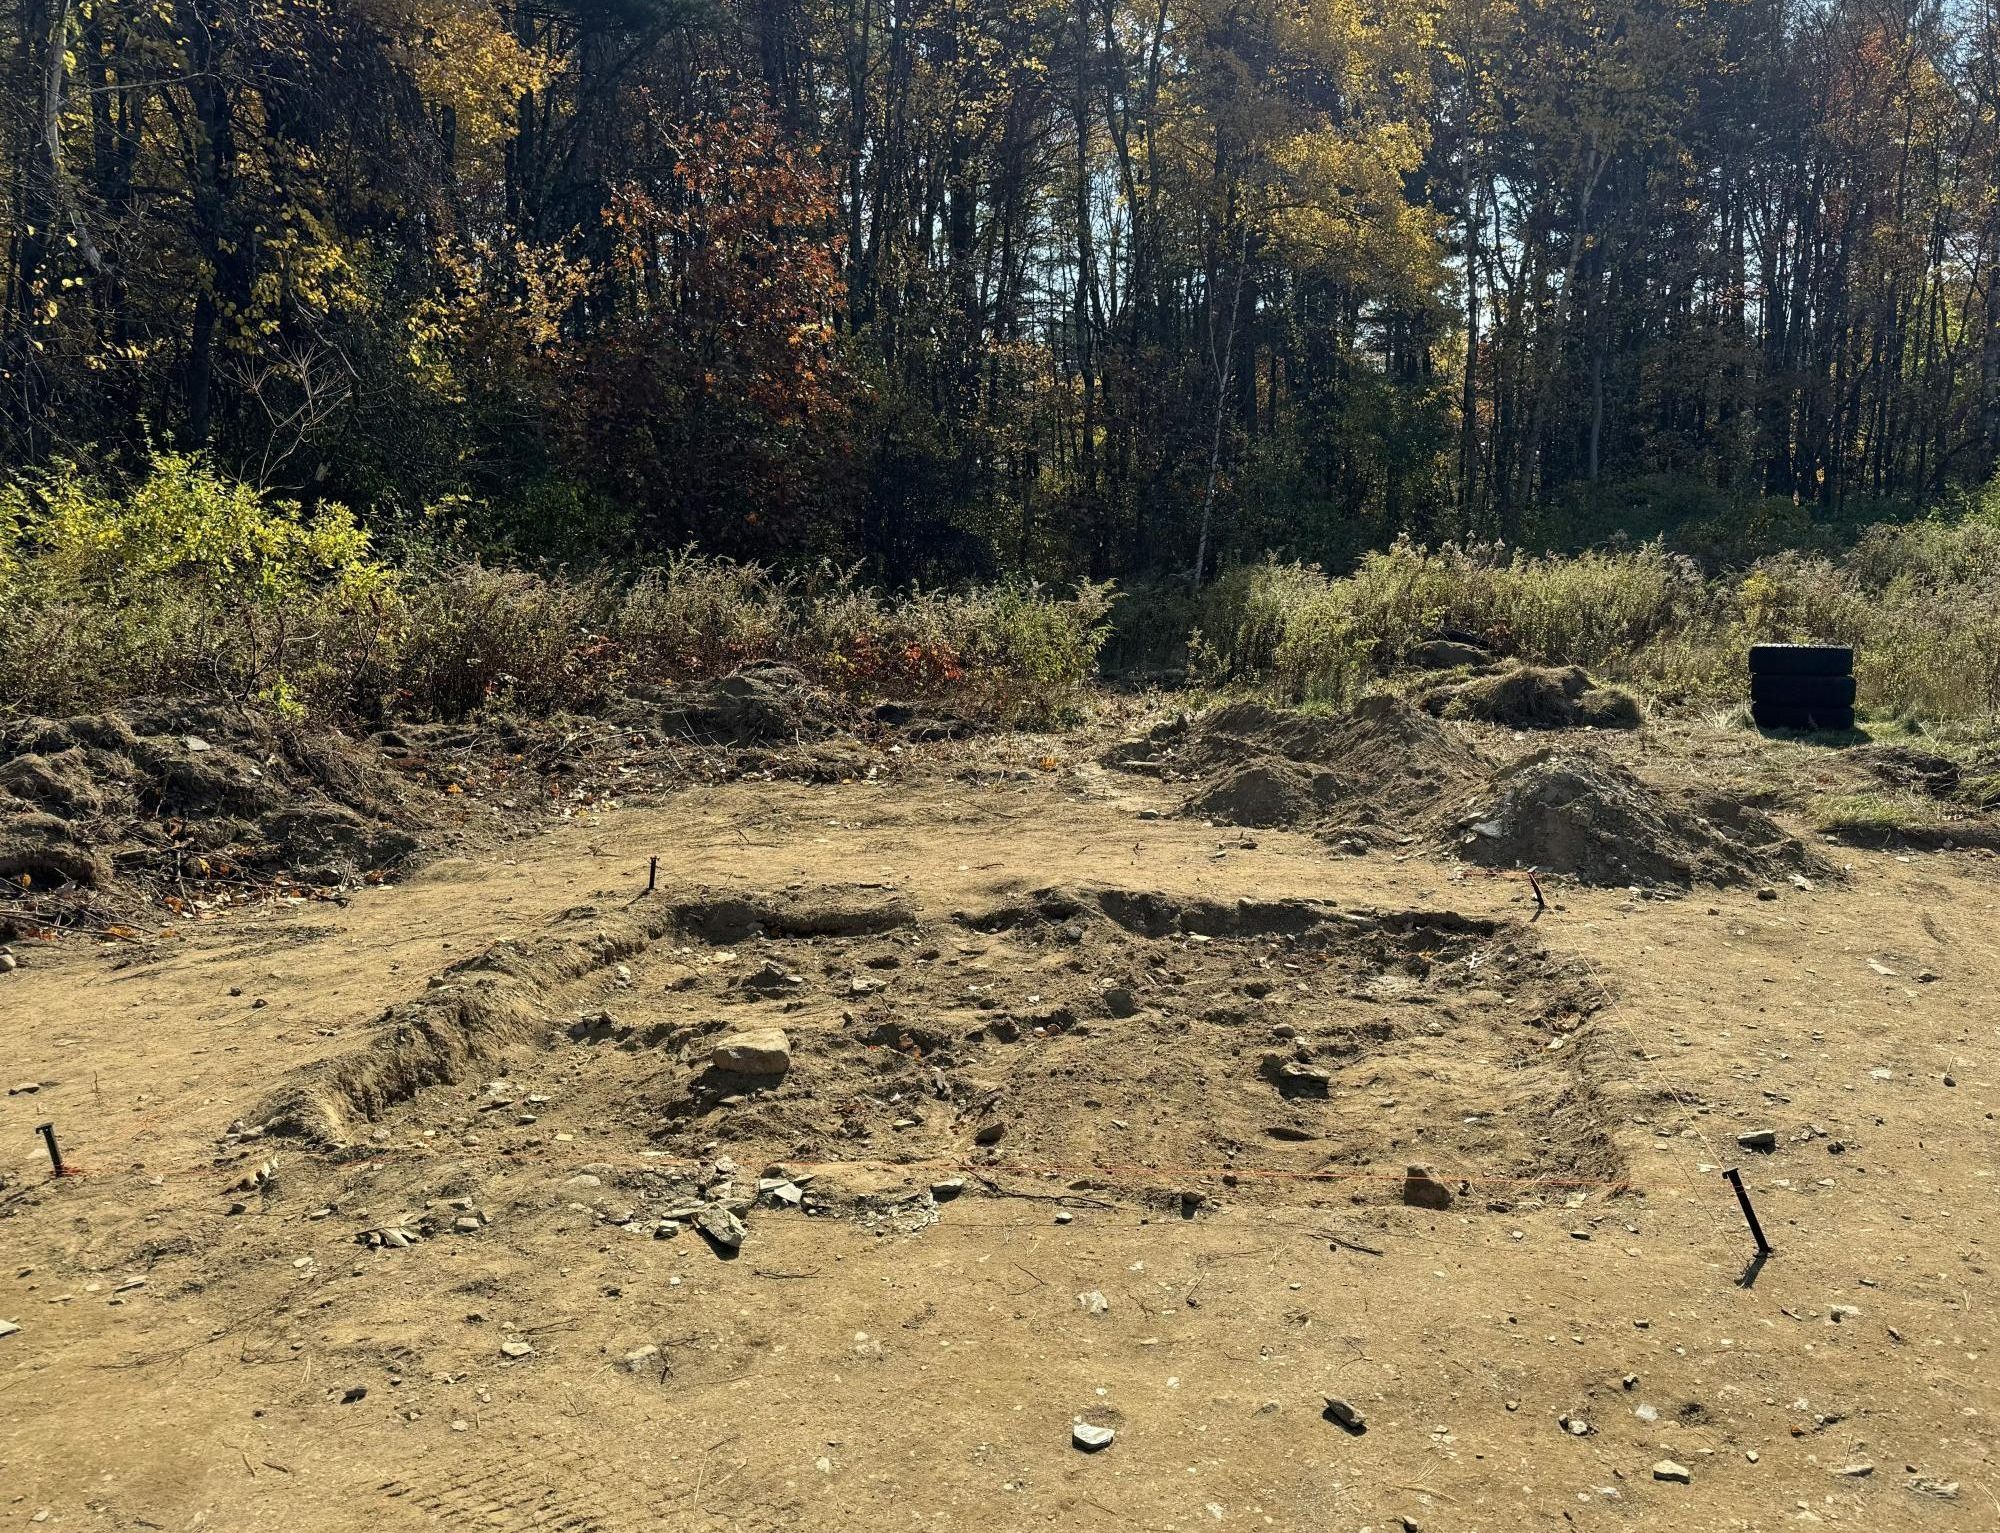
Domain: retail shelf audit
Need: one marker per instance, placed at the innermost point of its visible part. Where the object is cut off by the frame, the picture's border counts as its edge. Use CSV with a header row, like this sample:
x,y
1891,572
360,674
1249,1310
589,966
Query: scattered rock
x,y
1094,1302
721,1226
1089,1438
1762,1140
1120,1002
516,1349
1944,1490
763,1051
354,1393
25,1088
990,1133
947,1189
642,1359
1345,1415
1422,1190
8,1328
1667,1469
1856,1471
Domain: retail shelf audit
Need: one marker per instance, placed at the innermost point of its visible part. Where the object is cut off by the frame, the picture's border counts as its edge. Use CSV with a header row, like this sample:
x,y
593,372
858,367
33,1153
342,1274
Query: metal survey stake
x,y
48,1133
652,873
1749,1213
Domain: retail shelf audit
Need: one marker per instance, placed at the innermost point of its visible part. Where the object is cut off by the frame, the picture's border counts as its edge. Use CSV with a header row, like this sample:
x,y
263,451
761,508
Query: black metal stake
x,y
1749,1213
652,873
48,1133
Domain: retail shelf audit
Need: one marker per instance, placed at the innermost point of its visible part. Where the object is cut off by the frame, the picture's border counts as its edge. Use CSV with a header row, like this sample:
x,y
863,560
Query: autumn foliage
x,y
1134,287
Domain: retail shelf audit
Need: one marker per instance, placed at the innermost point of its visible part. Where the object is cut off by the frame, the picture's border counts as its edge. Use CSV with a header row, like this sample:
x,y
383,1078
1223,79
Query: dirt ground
x,y
1201,1058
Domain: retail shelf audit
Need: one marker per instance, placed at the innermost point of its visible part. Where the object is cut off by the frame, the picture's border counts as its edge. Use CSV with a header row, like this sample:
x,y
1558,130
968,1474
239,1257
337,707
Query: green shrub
x,y
193,583
189,582
1916,600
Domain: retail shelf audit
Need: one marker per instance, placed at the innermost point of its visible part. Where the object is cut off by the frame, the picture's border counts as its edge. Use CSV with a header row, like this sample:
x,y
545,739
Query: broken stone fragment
x,y
1344,1414
1422,1190
762,1051
1089,1438
516,1349
1667,1469
721,1226
771,977
1762,1140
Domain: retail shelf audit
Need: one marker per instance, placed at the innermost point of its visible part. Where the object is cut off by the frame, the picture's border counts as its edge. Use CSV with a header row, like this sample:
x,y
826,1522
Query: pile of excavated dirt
x,y
1446,655
763,704
770,717
180,795
208,804
1576,813
1534,697
1926,772
1379,772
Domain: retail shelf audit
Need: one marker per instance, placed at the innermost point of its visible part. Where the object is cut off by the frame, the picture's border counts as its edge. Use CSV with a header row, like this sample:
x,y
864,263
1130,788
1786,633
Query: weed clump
x,y
192,584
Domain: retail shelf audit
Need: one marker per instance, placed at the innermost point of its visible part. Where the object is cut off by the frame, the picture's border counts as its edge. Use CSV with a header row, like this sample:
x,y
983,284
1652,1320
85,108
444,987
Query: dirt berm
x,y
1380,773
1573,812
1534,697
161,793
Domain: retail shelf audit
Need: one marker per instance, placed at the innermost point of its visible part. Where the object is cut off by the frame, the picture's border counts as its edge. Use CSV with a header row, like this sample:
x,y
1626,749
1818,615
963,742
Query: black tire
x,y
1804,691
1793,716
1801,659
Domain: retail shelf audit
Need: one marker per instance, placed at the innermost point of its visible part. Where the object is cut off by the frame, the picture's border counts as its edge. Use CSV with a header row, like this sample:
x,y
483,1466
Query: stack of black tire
x,y
1802,686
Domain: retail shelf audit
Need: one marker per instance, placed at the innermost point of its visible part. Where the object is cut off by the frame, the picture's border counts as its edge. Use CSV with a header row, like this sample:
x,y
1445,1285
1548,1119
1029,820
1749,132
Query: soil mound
x,y
1915,771
1576,813
769,717
170,793
1266,793
1384,767
1446,655
1535,697
763,704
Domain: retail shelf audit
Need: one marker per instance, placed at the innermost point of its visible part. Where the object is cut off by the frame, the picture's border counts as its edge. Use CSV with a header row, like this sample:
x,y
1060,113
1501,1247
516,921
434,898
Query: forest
x,y
1018,287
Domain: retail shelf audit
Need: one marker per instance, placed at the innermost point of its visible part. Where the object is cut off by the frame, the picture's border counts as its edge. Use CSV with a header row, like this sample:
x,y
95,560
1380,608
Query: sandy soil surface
x,y
1201,1059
